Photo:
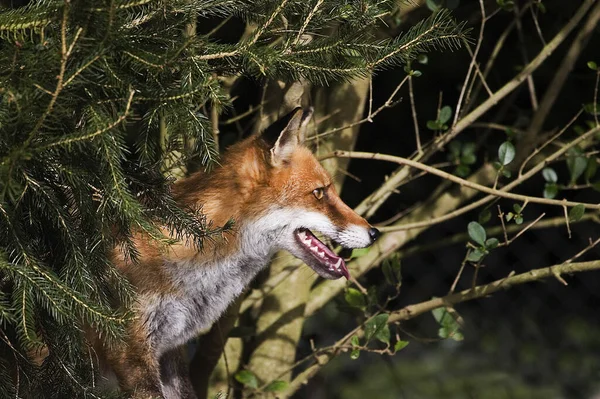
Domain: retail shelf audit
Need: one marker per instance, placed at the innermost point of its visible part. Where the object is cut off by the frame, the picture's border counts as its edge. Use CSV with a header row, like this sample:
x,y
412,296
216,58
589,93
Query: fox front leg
x,y
174,375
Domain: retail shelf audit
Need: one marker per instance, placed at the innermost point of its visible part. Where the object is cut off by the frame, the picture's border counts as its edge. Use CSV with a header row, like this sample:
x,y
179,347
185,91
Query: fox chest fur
x,y
203,289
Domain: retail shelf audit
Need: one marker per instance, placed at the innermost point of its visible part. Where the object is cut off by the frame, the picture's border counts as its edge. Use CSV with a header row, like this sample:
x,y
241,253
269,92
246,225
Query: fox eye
x,y
318,192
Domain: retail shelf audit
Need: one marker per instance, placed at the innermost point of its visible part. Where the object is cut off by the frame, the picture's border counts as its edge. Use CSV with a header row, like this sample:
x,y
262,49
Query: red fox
x,y
277,193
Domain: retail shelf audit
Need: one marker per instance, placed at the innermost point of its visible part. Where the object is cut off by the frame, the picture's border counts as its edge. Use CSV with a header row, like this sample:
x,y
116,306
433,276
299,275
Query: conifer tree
x,y
101,103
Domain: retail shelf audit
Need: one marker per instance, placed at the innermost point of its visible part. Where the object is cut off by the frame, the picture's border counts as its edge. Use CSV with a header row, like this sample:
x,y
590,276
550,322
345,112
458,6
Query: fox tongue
x,y
344,270
334,262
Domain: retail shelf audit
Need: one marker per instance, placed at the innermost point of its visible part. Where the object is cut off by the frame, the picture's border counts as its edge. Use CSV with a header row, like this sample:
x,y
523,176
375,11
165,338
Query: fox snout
x,y
355,236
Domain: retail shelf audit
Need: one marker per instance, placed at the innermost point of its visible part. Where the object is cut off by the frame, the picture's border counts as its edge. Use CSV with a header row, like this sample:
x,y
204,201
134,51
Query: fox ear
x,y
292,135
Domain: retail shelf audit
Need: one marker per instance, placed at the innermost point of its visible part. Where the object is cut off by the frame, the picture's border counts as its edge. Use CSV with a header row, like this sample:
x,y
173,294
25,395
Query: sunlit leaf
x,y
247,378
374,326
400,345
576,213
277,386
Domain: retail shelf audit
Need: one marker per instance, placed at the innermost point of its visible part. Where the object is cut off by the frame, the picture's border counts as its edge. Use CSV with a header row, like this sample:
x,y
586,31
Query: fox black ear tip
x,y
307,113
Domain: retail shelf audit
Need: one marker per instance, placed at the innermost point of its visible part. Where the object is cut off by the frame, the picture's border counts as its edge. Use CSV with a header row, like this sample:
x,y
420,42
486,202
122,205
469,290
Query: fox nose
x,y
374,234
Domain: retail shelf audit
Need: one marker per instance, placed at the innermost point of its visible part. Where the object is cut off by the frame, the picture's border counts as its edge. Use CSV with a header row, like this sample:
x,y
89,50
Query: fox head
x,y
297,197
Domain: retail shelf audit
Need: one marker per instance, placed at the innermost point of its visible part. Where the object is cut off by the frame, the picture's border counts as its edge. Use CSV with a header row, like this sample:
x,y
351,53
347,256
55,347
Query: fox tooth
x,y
314,249
302,235
321,254
338,263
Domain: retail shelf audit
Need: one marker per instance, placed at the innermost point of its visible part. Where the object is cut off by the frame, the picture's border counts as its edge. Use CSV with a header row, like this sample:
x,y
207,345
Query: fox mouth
x,y
322,259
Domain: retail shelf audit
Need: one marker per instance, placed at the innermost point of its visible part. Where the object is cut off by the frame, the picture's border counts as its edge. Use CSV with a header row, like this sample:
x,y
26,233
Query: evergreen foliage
x,y
100,102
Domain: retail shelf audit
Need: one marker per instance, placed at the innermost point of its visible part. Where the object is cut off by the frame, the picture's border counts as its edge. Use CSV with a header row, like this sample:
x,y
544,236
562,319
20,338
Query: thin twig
x,y
414,113
566,212
458,275
456,179
523,48
387,104
583,251
550,140
537,26
501,216
530,225
596,97
471,64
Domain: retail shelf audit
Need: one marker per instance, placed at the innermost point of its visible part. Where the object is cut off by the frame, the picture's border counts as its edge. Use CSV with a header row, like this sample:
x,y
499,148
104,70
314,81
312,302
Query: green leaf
x,y
462,170
445,114
541,6
383,334
277,386
388,273
592,65
449,327
358,252
433,125
517,208
485,216
372,295
455,148
576,213
468,148
422,59
492,243
400,345
477,233
416,73
247,378
506,173
579,129
592,168
468,159
355,298
506,153
509,216
577,165
550,190
475,255
374,327
497,165
591,109
397,268
549,175
519,219
354,354
355,341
